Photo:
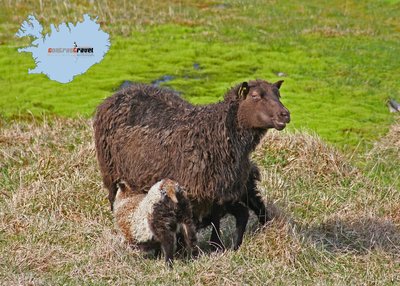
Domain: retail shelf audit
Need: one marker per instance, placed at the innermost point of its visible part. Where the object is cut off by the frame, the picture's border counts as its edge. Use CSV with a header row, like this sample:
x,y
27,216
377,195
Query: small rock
x,y
222,6
165,78
393,105
125,84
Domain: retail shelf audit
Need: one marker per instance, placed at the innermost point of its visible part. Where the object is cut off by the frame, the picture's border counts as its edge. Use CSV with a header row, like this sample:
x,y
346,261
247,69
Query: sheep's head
x,y
260,105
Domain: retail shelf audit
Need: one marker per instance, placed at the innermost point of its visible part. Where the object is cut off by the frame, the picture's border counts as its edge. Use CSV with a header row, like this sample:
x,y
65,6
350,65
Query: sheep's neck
x,y
246,138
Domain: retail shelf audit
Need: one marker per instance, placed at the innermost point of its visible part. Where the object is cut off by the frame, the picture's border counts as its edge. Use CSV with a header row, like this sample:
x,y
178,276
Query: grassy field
x,y
335,223
339,59
331,179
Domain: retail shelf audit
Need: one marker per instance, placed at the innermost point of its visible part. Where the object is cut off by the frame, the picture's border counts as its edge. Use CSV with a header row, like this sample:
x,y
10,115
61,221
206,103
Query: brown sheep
x,y
151,221
143,134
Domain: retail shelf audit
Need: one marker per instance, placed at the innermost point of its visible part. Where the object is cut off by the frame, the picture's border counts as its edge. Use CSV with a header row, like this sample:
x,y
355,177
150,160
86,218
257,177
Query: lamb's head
x,y
171,190
260,105
176,195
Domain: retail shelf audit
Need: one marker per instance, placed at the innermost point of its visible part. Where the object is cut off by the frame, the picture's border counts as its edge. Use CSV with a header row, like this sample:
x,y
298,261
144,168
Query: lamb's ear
x,y
123,186
243,89
278,83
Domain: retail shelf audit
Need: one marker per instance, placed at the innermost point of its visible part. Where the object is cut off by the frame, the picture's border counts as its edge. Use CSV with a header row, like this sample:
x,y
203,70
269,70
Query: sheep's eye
x,y
255,95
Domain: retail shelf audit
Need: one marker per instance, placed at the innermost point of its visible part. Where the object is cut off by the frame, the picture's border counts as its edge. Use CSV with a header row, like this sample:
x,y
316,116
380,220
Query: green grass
x,y
340,61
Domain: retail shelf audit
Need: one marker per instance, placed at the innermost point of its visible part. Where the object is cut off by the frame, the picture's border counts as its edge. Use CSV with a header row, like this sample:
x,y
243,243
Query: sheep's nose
x,y
286,114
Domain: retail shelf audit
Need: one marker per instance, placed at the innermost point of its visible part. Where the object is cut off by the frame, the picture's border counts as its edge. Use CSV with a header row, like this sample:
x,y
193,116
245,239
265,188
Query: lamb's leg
x,y
189,234
241,214
163,225
168,245
163,233
157,251
180,242
215,239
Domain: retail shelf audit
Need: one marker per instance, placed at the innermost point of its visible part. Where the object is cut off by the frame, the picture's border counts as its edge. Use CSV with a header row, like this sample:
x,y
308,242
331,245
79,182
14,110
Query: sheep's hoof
x,y
236,247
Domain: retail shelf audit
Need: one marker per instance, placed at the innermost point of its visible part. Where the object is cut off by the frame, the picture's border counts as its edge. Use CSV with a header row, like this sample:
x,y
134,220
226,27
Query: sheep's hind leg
x,y
256,204
215,240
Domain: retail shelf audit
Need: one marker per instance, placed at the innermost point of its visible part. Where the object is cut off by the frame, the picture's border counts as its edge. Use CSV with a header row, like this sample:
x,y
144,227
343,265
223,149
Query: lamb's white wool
x,y
140,227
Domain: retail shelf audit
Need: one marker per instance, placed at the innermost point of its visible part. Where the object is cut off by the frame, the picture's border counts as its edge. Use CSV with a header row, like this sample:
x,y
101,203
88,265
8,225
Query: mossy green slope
x,y
339,62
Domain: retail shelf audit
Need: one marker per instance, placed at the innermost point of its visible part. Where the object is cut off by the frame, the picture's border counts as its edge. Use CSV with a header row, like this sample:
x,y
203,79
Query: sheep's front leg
x,y
254,201
241,214
256,204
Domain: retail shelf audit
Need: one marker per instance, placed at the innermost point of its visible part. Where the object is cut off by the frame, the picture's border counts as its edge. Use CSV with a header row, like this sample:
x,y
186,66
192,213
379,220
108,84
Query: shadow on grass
x,y
348,234
353,235
356,235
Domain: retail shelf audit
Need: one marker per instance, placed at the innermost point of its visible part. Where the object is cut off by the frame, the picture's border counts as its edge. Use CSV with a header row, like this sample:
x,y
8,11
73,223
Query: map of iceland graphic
x,y
68,50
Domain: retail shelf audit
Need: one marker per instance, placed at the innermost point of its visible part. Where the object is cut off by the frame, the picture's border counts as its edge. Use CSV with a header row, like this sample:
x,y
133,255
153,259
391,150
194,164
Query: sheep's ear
x,y
278,83
243,90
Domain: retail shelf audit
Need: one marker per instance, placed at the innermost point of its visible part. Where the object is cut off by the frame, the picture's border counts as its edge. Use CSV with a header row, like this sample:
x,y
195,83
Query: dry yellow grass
x,y
335,223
